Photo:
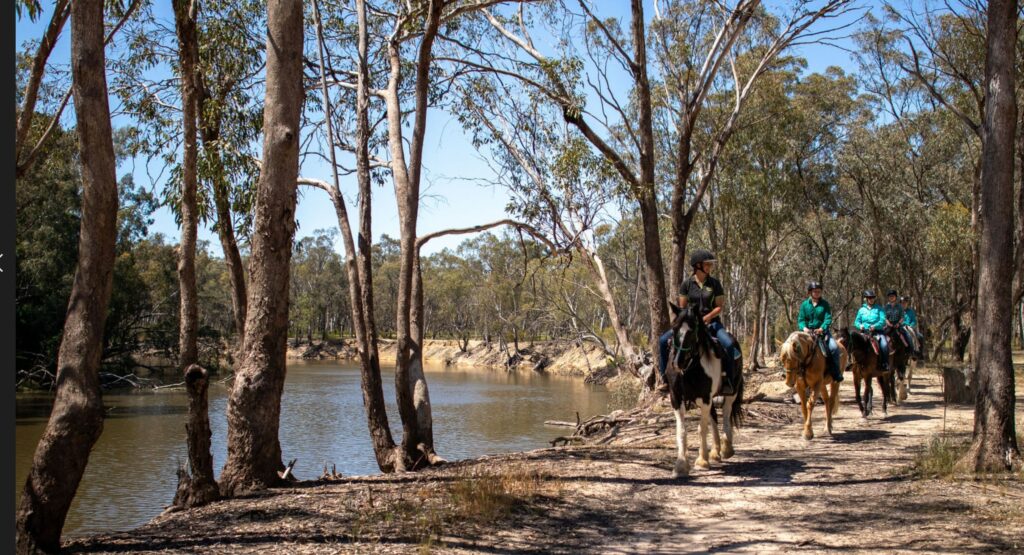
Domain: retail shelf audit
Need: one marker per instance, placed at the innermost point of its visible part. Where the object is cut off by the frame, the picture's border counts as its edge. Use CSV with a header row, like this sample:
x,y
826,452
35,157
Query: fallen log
x,y
561,423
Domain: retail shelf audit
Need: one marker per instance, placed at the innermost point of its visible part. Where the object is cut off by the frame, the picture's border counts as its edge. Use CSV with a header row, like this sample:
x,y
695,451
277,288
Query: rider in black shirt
x,y
704,293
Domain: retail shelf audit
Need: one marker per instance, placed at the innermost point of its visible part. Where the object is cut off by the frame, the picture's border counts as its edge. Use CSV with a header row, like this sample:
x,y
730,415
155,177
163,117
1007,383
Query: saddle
x,y
728,378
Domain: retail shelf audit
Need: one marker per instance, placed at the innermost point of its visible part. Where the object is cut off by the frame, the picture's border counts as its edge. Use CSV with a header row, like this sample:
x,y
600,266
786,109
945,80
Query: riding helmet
x,y
813,285
891,293
904,299
701,256
869,293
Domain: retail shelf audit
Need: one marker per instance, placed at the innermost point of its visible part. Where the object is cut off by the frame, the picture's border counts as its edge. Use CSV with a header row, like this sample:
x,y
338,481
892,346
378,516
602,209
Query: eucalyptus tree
x,y
227,64
994,446
188,55
76,419
254,406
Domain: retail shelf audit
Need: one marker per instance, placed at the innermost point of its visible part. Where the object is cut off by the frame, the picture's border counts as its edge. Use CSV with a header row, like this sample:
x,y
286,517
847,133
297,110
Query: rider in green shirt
x,y
815,318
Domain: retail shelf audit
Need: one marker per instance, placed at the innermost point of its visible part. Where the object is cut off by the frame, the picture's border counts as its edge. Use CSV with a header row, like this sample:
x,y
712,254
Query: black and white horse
x,y
695,377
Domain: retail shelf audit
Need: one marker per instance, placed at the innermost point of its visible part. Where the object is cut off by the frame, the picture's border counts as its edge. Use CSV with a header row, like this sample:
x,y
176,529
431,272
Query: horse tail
x,y
737,405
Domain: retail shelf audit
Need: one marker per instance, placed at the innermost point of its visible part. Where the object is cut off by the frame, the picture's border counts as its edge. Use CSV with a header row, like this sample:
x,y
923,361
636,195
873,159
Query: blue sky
x,y
454,176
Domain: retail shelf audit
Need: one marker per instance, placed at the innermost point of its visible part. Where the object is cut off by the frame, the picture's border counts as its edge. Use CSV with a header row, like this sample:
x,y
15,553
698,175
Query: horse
x,y
899,356
805,366
695,377
866,365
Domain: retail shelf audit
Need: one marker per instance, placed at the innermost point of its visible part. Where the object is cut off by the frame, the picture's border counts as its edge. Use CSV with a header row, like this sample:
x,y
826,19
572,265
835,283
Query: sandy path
x,y
847,493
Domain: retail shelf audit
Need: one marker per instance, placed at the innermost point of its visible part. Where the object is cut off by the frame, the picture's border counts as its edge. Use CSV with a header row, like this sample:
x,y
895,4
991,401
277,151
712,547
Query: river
x,y
131,473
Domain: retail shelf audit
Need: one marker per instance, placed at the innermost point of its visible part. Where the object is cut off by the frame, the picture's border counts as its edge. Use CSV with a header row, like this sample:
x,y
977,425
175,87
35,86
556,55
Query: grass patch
x,y
939,457
422,516
483,497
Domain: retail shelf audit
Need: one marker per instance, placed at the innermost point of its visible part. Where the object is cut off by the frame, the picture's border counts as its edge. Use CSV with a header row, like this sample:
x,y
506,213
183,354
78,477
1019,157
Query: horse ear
x,y
675,309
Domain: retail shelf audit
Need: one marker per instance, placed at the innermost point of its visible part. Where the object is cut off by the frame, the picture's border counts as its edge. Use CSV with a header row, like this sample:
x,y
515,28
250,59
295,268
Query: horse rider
x,y
704,293
871,319
894,317
910,324
815,318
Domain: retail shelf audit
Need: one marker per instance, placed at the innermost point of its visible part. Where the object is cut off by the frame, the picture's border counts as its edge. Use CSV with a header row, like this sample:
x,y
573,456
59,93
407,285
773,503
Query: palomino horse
x,y
695,377
866,365
805,368
899,357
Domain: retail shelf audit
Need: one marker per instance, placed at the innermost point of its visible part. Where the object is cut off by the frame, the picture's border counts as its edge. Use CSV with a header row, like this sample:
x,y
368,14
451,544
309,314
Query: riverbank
x,y
562,357
854,492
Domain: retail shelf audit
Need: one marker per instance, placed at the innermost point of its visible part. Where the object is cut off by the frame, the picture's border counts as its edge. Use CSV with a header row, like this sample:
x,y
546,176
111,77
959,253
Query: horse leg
x,y
727,451
856,390
900,386
882,383
869,394
716,439
682,468
805,407
910,377
702,431
834,396
824,394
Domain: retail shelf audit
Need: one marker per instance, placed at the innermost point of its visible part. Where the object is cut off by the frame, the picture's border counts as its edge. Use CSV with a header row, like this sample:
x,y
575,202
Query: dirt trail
x,y
847,493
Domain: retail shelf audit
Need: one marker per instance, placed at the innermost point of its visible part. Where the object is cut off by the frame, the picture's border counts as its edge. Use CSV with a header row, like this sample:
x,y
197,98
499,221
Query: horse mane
x,y
790,350
698,326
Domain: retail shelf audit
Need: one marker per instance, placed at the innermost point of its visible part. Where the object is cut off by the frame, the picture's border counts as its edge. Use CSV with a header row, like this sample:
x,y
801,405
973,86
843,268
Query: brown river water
x,y
131,473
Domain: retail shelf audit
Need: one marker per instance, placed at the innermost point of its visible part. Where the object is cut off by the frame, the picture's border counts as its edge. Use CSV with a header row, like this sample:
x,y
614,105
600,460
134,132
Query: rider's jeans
x,y
725,340
664,342
833,350
883,347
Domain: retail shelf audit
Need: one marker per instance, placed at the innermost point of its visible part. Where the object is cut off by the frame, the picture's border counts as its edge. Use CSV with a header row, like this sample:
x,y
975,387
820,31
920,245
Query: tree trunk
x,y
657,296
420,391
358,264
994,447
188,54
254,407
77,417
406,179
755,340
209,129
198,487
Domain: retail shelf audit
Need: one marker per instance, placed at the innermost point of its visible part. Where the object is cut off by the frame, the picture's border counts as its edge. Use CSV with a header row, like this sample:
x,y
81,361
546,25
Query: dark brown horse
x,y
866,364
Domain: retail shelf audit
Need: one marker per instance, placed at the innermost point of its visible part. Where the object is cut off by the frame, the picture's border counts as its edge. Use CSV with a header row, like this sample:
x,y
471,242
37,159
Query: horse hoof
x,y
682,470
727,451
715,457
701,463
808,435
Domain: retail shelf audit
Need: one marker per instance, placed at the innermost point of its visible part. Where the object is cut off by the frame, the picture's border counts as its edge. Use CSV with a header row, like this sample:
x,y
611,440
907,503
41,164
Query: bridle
x,y
689,346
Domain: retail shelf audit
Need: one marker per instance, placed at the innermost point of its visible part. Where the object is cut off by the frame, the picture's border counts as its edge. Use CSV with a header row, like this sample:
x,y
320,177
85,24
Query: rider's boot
x,y
833,367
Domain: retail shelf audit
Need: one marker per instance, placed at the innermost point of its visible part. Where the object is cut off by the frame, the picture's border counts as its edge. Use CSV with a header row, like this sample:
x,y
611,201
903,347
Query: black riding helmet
x,y
891,293
813,285
904,299
869,294
700,257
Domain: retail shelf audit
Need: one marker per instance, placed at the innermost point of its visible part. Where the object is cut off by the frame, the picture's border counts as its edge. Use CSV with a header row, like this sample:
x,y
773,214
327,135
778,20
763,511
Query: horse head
x,y
691,333
796,353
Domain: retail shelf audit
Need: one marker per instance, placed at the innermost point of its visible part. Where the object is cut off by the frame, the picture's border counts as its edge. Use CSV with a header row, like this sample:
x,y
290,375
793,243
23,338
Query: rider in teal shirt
x,y
871,319
910,322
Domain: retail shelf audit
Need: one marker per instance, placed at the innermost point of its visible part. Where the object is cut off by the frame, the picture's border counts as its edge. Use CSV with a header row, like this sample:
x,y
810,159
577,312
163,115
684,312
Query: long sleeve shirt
x,y
870,317
814,316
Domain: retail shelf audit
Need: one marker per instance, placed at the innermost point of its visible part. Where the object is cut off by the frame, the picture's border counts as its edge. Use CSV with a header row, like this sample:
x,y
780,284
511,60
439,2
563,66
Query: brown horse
x,y
866,365
806,370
